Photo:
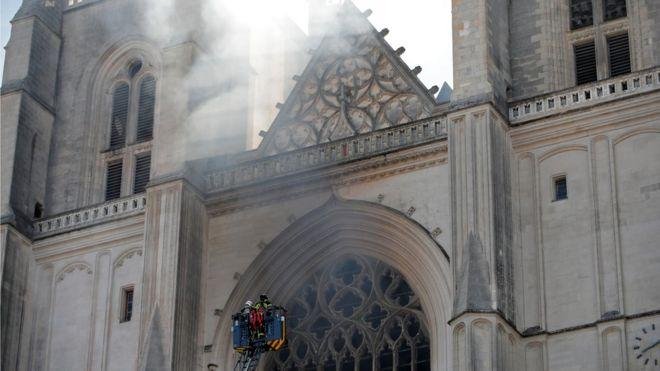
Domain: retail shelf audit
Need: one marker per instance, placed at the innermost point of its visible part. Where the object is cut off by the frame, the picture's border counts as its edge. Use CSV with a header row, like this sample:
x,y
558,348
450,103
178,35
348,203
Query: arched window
x,y
128,165
356,313
119,116
145,120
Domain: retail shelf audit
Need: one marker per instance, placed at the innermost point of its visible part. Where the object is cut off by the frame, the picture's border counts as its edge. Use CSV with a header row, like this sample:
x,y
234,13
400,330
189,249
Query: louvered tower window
x,y
142,168
614,9
131,130
145,122
113,180
119,116
582,14
619,54
585,63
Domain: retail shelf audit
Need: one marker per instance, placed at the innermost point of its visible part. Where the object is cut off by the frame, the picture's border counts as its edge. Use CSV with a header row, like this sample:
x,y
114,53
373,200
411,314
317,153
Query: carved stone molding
x,y
286,188
89,216
326,154
73,267
127,255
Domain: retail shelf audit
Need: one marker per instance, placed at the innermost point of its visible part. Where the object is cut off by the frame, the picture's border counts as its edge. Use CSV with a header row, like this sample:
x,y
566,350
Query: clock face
x,y
646,346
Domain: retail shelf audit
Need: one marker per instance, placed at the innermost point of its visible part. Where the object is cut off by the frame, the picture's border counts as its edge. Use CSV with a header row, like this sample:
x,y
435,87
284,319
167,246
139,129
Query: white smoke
x,y
252,49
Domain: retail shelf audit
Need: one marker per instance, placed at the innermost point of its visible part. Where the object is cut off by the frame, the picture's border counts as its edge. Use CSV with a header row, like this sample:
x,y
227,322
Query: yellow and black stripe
x,y
279,343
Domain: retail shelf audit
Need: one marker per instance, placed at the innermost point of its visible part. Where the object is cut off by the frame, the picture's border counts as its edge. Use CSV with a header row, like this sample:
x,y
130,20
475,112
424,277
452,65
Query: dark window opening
x,y
582,14
354,313
585,63
614,9
561,188
142,168
127,304
38,210
119,116
113,181
619,54
134,68
145,121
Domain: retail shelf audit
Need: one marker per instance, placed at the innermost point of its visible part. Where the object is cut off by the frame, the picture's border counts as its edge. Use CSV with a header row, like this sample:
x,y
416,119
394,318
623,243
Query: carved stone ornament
x,y
127,255
352,86
75,267
354,313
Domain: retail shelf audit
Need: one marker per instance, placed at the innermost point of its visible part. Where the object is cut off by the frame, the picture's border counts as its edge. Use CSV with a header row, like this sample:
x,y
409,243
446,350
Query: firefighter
x,y
265,302
246,307
258,316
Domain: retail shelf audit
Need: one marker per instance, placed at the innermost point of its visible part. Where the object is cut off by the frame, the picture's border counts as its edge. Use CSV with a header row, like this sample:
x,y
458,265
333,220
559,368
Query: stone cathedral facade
x,y
510,224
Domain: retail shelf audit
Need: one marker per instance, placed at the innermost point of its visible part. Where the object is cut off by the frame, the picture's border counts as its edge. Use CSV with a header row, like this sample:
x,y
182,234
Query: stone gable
x,y
355,83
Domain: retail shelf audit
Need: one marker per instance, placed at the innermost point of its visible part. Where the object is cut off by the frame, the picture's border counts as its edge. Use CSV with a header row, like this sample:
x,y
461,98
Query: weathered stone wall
x,y
16,266
62,298
587,263
27,97
481,49
528,67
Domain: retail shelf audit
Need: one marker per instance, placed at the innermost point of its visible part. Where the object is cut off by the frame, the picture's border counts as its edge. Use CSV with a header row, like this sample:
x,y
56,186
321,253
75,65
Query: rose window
x,y
356,313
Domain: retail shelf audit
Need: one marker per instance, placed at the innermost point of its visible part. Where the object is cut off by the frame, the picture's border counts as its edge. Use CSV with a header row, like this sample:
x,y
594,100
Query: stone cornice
x,y
324,155
319,180
588,122
583,96
404,148
127,231
89,216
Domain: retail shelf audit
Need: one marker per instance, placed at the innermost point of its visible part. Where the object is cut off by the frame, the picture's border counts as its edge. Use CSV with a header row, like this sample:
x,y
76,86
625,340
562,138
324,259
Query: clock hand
x,y
650,346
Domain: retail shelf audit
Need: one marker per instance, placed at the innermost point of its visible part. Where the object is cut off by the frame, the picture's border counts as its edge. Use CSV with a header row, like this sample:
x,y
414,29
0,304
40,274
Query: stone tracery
x,y
352,88
355,312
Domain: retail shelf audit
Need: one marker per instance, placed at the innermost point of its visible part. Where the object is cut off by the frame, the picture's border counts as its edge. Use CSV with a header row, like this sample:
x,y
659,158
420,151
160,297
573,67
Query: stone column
x,y
481,52
480,152
174,235
481,210
609,270
528,242
102,295
479,155
169,143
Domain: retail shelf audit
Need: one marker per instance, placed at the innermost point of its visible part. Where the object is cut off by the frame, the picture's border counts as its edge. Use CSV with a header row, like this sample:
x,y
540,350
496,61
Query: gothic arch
x,y
343,227
562,149
72,267
635,132
96,90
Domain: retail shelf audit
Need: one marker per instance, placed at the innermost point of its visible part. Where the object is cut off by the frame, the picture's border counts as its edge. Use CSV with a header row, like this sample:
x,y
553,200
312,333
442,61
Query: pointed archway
x,y
367,231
